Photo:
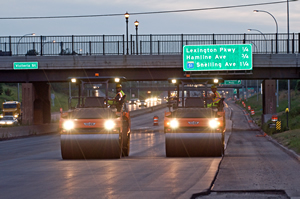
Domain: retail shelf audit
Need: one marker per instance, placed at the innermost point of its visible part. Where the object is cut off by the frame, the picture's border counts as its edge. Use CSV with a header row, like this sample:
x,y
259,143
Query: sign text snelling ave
x,y
217,57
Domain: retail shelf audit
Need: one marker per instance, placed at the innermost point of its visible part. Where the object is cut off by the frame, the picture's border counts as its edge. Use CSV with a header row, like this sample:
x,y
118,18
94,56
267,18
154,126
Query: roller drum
x,y
194,144
95,146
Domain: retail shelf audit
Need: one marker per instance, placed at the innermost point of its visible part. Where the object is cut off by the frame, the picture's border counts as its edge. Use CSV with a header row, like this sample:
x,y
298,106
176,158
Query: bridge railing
x,y
165,44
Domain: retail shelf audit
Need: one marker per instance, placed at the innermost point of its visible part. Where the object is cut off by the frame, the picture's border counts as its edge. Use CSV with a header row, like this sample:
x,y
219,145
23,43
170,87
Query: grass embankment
x,y
288,136
13,96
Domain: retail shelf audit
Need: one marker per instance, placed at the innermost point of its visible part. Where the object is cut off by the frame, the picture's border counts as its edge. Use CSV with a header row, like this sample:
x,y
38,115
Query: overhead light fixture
x,y
73,80
174,81
117,79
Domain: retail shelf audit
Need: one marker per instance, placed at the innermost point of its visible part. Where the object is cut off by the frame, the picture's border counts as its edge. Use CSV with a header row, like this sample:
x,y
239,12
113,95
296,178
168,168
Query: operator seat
x,y
194,102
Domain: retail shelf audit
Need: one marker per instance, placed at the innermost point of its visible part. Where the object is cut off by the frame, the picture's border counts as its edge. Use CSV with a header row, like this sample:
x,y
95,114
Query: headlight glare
x,y
109,124
68,125
214,123
174,124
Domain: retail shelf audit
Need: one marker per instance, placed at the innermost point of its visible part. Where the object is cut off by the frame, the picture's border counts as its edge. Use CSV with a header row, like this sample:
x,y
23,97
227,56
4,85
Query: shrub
x,y
8,92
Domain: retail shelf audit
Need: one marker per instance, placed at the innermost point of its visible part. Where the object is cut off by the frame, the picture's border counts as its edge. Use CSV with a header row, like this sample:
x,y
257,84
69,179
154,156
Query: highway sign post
x,y
25,65
217,57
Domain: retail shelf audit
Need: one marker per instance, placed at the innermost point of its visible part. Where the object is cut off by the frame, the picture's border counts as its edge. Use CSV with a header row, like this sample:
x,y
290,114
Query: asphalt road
x,y
253,167
33,168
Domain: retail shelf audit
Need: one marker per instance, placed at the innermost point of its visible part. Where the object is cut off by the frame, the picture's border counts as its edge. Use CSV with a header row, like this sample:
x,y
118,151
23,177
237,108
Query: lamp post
x,y
277,98
21,39
288,25
136,23
126,17
262,35
47,42
276,26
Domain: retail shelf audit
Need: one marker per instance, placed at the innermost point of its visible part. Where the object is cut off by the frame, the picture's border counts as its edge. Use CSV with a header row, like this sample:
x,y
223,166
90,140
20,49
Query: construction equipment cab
x,y
12,108
193,129
93,128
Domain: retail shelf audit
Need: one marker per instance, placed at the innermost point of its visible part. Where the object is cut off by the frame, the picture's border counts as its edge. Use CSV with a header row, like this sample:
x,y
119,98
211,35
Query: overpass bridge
x,y
143,58
139,67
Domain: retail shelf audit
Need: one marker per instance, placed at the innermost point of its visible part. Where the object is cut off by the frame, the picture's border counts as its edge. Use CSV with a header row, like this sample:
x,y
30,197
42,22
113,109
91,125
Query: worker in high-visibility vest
x,y
216,97
118,98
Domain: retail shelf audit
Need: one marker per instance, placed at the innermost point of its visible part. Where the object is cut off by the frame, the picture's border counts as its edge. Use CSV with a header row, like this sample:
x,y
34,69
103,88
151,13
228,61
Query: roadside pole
x,y
287,118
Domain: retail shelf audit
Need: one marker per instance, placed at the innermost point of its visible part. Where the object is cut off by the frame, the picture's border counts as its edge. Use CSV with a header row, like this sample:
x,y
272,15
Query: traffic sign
x,y
25,65
217,57
232,82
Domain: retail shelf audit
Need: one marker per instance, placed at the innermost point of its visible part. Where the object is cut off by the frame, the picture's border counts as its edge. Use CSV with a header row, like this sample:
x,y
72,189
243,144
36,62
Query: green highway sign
x,y
217,57
234,91
25,65
232,81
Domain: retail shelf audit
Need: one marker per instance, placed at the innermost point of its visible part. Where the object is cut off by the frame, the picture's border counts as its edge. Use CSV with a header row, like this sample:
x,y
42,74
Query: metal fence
x,y
166,44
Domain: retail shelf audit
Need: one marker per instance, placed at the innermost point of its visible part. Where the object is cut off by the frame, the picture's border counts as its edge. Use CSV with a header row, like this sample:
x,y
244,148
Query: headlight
x,y
15,115
109,124
214,123
68,125
174,124
9,122
2,122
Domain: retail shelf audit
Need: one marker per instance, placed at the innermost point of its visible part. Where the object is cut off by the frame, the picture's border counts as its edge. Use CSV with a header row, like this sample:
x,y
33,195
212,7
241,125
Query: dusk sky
x,y
233,20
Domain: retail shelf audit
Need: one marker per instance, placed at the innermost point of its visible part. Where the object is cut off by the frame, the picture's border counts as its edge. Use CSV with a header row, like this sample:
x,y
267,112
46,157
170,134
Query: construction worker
x,y
216,97
118,98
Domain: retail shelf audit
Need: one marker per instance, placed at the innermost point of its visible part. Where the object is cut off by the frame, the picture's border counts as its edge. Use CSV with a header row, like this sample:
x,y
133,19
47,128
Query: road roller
x,y
93,129
192,129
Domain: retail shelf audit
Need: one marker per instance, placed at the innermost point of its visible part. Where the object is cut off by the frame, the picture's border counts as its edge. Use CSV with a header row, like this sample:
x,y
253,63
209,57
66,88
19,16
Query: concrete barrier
x,y
23,131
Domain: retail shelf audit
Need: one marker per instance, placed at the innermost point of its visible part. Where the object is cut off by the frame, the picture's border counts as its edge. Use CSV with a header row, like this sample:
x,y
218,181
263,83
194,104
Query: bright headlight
x,y
174,124
214,123
9,122
109,124
2,122
15,115
68,125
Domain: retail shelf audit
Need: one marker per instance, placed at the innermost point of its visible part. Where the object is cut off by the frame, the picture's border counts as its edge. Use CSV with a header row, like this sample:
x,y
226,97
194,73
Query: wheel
x,y
126,138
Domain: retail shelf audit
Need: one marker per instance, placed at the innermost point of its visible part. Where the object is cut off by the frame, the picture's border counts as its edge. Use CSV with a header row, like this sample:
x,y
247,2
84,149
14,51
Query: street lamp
x,y
276,45
21,39
136,23
288,23
276,26
47,42
260,33
126,17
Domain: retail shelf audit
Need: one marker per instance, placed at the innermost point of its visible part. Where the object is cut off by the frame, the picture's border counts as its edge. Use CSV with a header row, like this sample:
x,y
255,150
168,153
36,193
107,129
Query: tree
x,y
298,85
1,89
8,92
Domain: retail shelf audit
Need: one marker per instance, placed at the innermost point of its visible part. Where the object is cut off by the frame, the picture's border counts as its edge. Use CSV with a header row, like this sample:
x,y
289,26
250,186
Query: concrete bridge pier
x,y
36,107
268,99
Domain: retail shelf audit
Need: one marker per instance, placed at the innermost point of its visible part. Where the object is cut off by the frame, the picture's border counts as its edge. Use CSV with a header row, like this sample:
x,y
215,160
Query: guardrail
x,y
152,44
